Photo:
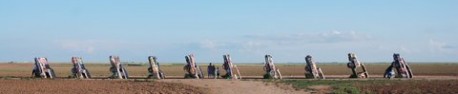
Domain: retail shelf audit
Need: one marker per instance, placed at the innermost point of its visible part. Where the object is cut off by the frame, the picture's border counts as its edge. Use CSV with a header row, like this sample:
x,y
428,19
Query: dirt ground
x,y
167,86
16,79
228,86
62,86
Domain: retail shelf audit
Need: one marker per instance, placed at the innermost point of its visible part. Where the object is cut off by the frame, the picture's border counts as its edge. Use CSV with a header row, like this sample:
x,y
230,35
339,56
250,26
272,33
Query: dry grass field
x,y
37,86
101,70
9,74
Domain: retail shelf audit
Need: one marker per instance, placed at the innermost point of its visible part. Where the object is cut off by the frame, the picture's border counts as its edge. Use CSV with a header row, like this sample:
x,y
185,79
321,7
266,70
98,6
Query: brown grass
x,y
95,87
63,70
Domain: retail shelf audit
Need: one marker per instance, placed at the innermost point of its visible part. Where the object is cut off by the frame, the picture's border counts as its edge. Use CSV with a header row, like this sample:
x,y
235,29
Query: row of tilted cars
x,y
398,68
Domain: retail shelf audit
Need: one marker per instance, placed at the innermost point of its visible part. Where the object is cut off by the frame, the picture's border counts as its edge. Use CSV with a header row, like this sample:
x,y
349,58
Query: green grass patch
x,y
396,86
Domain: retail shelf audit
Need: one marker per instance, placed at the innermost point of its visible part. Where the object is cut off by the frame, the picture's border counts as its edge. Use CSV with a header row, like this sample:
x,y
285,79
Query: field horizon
x,y
127,62
256,69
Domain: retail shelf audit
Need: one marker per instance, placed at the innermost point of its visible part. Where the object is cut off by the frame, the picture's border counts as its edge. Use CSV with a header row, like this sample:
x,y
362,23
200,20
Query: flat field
x,y
139,70
429,78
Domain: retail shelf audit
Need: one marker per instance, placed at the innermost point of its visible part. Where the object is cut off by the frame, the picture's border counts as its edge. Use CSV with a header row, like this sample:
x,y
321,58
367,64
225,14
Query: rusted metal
x,y
42,68
229,67
154,69
403,70
117,69
191,68
79,70
311,70
353,64
272,72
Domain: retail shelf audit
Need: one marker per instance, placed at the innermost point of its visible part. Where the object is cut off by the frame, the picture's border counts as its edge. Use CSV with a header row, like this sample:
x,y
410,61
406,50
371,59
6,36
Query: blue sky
x,y
421,30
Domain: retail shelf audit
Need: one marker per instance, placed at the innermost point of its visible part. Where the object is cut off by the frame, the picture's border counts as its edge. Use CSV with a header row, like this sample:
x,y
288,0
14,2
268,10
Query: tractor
x,y
229,67
154,70
311,71
403,69
191,68
42,68
354,64
272,72
79,70
117,70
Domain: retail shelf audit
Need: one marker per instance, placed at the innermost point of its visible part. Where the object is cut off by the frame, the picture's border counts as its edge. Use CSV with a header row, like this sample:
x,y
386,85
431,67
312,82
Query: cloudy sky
x,y
420,30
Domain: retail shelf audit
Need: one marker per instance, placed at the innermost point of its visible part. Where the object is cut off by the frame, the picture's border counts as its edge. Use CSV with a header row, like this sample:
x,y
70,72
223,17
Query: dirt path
x,y
220,86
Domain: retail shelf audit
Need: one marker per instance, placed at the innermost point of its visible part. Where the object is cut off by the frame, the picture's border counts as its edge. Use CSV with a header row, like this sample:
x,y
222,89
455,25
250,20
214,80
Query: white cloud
x,y
218,46
267,43
326,46
323,37
405,49
88,46
442,47
338,36
208,44
252,47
